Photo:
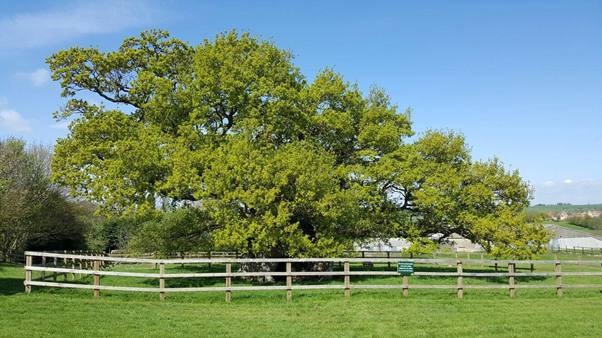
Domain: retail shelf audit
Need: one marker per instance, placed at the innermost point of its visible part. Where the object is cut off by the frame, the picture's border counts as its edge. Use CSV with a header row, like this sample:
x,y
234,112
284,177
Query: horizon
x,y
521,81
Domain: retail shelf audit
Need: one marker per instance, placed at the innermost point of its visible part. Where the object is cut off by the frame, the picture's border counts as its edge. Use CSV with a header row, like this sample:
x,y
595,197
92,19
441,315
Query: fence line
x,y
576,249
96,262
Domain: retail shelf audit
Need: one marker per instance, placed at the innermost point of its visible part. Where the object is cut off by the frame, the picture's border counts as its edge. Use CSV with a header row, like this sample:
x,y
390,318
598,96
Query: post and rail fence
x,y
73,264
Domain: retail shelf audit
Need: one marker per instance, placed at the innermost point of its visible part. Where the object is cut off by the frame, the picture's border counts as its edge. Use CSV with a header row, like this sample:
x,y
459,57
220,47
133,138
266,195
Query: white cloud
x,y
37,77
581,191
13,121
60,125
31,30
3,102
567,181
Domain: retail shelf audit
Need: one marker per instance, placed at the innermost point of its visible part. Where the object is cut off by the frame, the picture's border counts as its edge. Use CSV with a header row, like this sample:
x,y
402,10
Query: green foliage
x,y
279,166
536,216
34,212
111,234
182,230
594,223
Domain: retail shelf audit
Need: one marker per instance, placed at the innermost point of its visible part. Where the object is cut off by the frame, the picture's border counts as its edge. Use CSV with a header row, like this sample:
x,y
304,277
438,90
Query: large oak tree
x,y
280,165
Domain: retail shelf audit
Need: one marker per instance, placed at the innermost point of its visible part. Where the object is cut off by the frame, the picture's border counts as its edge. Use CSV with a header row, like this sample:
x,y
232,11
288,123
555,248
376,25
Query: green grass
x,y
575,227
312,313
567,208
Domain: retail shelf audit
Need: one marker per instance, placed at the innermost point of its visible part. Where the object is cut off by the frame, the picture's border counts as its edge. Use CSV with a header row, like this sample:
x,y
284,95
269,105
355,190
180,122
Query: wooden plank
x,y
284,260
301,273
404,282
292,260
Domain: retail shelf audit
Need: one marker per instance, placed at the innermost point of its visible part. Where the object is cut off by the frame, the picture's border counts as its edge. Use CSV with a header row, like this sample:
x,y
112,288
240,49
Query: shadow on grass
x,y
11,286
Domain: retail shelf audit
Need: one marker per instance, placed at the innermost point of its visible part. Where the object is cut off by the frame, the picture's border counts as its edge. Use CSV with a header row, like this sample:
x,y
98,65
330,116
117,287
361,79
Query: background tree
x,y
33,212
279,166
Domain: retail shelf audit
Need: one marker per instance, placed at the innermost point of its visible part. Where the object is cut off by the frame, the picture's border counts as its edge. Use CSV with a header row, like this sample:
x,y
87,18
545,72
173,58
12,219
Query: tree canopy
x,y
279,165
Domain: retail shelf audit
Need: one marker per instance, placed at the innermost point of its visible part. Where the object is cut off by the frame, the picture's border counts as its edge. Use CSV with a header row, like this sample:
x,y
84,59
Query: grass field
x,y
311,313
575,227
567,208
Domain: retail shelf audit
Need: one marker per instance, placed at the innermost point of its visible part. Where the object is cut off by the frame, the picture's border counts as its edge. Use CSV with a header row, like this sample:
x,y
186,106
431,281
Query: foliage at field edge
x,y
594,223
34,213
279,166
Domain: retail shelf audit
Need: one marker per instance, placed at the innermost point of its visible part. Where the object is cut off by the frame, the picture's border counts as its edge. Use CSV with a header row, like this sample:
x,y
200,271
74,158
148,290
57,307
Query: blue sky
x,y
522,80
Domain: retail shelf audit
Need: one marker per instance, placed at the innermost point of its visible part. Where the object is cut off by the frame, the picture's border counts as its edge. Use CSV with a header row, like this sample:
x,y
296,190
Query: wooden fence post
x,y
347,291
154,266
460,288
43,278
96,278
511,267
388,256
289,281
161,281
65,265
73,268
580,266
209,255
228,282
28,263
482,264
404,281
558,279
80,264
54,273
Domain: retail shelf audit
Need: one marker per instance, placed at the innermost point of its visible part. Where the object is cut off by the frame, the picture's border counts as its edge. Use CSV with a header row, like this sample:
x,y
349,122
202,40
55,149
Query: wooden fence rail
x,y
92,265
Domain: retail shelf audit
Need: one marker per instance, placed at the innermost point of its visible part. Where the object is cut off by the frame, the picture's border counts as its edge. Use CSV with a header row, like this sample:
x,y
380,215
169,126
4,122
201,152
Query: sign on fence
x,y
405,268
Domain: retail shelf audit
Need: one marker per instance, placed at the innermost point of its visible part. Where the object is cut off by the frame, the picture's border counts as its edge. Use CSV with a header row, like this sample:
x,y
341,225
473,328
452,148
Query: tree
x,y
33,211
280,166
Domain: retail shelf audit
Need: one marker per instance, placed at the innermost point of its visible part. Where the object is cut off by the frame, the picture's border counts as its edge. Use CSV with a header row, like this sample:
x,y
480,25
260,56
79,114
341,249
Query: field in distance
x,y
566,208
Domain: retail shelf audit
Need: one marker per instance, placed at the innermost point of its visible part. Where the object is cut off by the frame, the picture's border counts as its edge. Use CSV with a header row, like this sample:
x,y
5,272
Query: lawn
x,y
311,313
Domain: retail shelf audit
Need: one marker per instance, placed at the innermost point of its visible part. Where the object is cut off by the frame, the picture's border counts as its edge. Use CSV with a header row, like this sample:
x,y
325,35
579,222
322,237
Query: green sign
x,y
405,268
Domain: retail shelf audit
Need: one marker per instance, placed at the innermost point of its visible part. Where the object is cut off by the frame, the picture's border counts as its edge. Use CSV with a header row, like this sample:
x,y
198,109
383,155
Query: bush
x,y
112,234
594,223
181,230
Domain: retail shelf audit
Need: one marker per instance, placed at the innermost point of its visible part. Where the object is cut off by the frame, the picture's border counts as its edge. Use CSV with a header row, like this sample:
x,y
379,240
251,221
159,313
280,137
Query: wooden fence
x,y
73,264
576,250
